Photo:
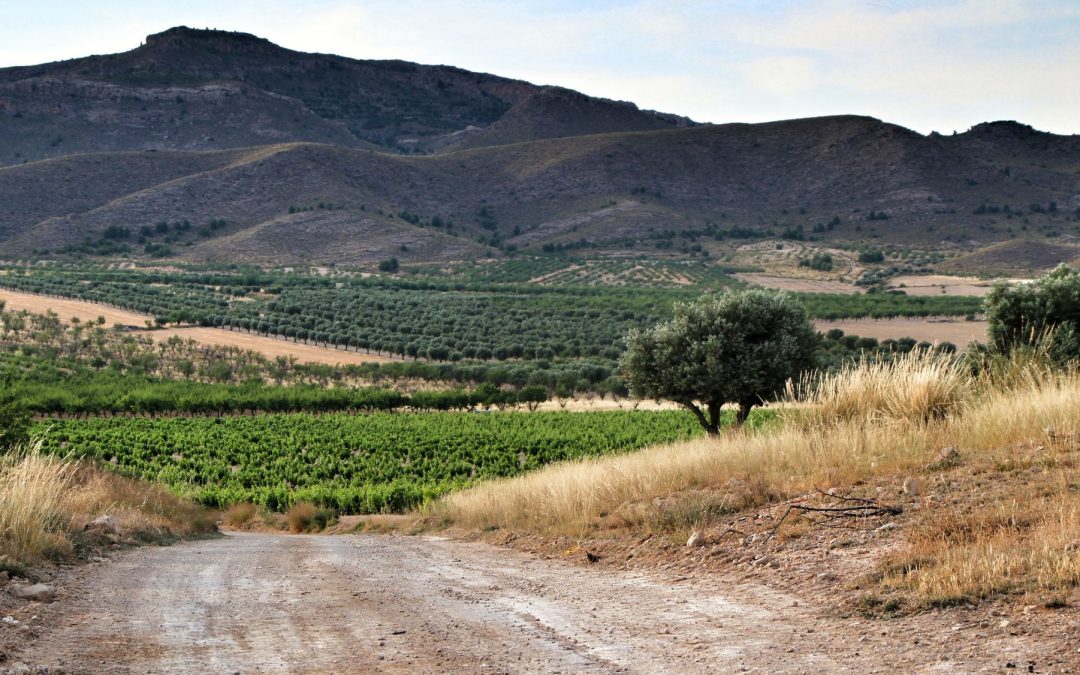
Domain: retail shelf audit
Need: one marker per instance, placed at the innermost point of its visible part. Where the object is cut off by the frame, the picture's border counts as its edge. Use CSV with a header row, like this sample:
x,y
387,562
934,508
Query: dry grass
x,y
300,516
241,515
46,501
33,513
919,385
1017,429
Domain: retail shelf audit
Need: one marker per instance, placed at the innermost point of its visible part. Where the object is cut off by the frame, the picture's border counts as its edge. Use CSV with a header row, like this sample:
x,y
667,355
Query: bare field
x,y
940,284
267,346
270,347
67,308
954,330
796,284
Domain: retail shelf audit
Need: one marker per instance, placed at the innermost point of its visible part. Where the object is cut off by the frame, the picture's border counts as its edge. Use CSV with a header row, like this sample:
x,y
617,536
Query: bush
x,y
300,516
390,265
240,515
1040,316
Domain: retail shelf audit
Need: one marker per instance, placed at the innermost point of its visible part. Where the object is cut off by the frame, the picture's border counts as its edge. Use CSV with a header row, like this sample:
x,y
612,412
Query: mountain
x,y
204,145
187,89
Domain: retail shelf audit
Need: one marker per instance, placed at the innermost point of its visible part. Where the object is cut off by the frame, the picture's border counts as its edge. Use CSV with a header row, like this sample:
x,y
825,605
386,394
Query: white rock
x,y
696,539
37,592
106,524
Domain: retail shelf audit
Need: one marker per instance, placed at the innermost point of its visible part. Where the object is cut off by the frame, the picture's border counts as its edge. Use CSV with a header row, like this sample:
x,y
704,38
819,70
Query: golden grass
x,y
33,513
300,516
240,515
919,385
46,501
869,423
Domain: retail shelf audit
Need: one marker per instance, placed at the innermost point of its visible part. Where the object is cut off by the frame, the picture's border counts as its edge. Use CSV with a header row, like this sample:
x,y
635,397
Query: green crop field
x,y
355,463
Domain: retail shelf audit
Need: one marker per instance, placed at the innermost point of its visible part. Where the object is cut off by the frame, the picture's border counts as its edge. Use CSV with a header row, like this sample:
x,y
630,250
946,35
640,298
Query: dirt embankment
x,y
424,604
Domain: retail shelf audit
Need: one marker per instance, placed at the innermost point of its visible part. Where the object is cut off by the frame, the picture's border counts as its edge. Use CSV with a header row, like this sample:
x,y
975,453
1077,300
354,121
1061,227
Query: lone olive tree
x,y
739,347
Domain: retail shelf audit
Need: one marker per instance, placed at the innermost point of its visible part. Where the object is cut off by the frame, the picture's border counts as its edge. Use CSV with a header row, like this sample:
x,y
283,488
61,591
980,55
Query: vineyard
x,y
358,464
433,319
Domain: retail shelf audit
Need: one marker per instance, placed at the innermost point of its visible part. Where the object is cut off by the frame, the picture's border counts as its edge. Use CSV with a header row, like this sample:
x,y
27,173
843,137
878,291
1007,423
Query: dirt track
x,y
272,603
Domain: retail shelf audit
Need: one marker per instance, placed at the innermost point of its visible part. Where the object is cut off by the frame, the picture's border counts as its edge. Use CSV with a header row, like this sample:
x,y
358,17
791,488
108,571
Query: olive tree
x,y
739,347
1044,313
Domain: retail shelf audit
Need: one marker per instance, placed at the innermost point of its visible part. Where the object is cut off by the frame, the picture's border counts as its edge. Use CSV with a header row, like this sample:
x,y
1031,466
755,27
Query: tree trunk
x,y
710,424
744,412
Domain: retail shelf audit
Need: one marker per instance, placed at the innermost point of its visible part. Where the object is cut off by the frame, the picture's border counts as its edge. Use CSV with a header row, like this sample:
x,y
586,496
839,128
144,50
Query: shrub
x,y
240,515
1044,314
300,516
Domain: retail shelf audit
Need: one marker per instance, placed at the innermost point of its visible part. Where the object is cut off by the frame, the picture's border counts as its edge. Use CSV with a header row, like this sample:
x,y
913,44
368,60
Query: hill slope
x,y
223,146
187,89
323,203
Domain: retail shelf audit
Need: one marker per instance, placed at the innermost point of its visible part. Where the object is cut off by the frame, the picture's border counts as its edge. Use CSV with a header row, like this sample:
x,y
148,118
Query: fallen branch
x,y
859,508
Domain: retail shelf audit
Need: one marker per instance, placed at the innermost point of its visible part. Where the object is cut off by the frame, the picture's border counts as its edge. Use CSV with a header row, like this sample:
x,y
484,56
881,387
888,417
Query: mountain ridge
x,y
255,160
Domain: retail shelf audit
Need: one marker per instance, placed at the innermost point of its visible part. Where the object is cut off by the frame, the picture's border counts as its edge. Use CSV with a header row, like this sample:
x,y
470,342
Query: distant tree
x,y
740,347
389,265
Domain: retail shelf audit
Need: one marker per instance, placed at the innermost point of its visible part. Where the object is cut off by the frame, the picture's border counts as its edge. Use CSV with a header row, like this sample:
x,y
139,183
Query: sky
x,y
930,66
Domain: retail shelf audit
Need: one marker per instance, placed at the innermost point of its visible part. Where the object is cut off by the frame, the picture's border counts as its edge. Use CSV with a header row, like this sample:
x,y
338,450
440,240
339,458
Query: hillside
x,y
213,146
305,202
187,89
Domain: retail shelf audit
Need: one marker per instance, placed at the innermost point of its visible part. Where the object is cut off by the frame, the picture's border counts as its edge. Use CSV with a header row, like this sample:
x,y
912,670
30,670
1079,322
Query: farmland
x,y
421,317
360,464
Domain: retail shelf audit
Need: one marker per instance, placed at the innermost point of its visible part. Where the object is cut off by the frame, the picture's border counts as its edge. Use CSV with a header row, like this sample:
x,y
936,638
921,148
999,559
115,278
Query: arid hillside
x,y
187,89
210,146
841,178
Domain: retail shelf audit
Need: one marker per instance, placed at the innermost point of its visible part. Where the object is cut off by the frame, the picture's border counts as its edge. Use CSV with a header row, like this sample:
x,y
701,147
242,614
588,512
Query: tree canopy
x,y
1044,313
739,347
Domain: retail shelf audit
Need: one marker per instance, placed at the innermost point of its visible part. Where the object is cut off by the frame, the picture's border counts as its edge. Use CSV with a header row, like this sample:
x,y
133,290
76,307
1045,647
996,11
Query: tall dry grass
x,y
45,502
33,513
869,422
916,386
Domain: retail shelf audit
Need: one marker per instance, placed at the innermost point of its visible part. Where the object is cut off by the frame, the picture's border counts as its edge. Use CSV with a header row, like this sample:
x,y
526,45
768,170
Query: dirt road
x,y
268,603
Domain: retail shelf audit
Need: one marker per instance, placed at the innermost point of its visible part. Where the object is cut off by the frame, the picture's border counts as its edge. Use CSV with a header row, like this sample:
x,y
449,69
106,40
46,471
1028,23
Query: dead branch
x,y
860,508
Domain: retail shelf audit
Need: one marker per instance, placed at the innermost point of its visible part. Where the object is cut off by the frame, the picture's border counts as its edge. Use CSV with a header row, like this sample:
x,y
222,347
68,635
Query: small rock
x,y
826,576
106,524
10,620
887,526
1004,623
763,560
696,539
37,592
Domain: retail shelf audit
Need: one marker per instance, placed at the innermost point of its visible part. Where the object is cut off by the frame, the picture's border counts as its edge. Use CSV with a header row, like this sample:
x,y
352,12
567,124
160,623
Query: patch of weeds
x,y
1056,602
14,567
872,606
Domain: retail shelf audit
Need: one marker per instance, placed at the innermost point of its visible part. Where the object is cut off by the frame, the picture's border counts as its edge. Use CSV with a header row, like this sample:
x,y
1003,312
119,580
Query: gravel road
x,y
273,603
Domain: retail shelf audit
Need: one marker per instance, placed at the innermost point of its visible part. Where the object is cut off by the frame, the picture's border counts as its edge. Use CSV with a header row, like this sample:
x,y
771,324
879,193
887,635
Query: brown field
x,y
940,284
782,283
267,346
270,347
954,330
67,308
